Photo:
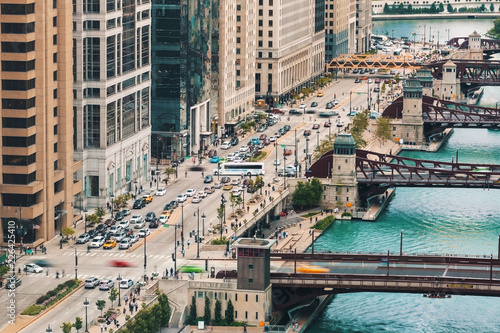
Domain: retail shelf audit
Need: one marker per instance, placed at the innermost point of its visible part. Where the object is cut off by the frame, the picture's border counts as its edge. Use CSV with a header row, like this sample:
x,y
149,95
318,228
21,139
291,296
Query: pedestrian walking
x,y
63,272
102,327
126,299
124,310
136,306
244,328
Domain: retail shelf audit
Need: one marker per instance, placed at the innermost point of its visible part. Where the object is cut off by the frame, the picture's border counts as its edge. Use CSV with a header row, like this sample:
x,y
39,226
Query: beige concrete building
x,y
363,25
38,181
237,50
290,47
111,72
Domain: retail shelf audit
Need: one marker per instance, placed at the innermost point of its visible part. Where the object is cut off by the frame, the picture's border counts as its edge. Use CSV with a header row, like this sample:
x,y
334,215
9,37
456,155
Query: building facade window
x,y
18,104
18,66
18,9
91,126
18,28
91,59
18,47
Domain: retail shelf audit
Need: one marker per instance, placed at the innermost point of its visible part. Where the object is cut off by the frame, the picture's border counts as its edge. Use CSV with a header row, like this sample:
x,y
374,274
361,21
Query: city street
x,y
160,245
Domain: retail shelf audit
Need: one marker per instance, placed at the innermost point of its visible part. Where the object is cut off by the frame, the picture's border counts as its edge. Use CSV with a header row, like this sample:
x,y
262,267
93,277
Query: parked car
x,y
106,284
91,282
139,203
83,238
33,268
161,191
143,233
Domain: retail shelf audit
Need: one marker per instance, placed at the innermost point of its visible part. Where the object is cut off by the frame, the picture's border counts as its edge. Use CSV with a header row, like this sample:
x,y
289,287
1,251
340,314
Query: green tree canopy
x,y
218,312
66,327
100,303
208,316
78,324
383,131
229,313
307,194
113,295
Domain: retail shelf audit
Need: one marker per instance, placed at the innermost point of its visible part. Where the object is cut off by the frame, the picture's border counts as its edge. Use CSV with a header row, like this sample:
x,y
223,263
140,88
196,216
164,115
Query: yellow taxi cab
x,y
320,94
312,269
110,243
148,197
227,187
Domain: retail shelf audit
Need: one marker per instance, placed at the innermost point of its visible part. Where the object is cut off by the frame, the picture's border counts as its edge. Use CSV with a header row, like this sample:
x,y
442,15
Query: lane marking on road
x,y
446,270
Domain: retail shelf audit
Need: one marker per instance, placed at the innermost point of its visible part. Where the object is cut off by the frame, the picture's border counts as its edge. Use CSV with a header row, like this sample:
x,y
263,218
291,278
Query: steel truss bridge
x,y
431,275
392,170
371,61
445,113
462,43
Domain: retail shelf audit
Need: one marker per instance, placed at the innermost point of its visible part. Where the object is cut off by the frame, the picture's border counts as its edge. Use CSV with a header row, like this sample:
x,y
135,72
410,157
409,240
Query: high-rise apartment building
x,y
38,183
336,28
183,105
237,50
203,72
112,78
290,47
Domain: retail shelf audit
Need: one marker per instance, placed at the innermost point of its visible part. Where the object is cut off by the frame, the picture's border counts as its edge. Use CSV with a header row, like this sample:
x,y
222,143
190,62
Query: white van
x,y
225,145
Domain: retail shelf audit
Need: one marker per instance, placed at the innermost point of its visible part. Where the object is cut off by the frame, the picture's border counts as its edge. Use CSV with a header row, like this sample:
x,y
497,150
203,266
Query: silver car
x,y
124,244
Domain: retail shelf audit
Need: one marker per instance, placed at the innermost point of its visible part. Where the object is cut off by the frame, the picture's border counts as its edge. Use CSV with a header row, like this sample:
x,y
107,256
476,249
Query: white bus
x,y
238,169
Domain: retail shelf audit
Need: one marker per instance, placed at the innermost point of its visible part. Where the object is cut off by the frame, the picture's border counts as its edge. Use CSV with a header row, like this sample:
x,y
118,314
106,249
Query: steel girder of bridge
x,y
481,72
289,288
371,61
392,170
462,43
449,114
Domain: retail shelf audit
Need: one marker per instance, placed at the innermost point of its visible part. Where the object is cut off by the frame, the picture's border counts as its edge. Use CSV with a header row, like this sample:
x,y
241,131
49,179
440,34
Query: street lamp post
x,y
307,153
223,206
276,161
296,155
119,279
76,265
86,305
145,259
401,244
317,140
182,228
203,217
329,127
198,234
157,160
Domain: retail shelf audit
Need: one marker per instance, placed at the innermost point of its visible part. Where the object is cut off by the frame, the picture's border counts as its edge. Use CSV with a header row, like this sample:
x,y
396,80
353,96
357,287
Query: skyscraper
x,y
112,78
38,169
290,47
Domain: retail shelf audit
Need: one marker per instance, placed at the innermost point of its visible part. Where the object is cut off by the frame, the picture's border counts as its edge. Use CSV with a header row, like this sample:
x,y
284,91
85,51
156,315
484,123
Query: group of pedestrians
x,y
132,305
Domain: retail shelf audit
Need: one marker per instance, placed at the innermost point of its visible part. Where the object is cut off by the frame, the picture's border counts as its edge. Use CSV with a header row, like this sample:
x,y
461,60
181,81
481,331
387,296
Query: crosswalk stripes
x,y
114,255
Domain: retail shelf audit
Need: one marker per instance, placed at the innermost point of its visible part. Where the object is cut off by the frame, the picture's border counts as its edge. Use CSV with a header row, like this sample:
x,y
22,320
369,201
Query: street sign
x,y
283,146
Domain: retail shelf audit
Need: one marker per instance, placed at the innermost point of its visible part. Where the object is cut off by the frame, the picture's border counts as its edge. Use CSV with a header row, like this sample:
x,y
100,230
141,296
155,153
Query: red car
x,y
288,152
121,263
315,126
327,124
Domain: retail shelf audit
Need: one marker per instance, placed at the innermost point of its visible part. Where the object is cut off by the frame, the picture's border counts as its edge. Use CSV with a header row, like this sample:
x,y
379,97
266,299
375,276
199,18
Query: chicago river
x,y
453,221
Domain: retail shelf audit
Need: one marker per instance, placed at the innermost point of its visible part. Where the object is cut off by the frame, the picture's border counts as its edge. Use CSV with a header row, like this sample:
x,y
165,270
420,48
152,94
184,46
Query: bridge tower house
x,y
424,75
412,124
475,49
342,190
449,86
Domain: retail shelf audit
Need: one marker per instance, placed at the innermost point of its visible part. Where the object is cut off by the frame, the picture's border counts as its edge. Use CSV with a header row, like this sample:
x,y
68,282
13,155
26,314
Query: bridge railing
x,y
406,254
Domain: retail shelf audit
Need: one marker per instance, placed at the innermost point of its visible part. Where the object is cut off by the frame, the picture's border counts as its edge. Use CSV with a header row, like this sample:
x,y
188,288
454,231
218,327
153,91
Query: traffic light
x,y
173,256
